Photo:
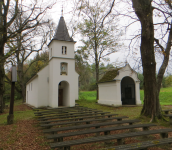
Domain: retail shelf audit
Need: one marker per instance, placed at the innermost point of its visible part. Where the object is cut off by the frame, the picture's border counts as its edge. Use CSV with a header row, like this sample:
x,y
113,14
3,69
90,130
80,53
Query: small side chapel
x,y
57,83
120,86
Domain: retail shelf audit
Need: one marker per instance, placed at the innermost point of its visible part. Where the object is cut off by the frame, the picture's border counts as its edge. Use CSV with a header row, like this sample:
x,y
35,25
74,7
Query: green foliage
x,y
87,73
87,95
168,81
98,40
141,95
35,65
7,94
141,78
98,35
30,69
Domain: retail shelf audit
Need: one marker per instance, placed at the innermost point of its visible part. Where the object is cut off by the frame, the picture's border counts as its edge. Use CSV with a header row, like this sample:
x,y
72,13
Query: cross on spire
x,y
62,11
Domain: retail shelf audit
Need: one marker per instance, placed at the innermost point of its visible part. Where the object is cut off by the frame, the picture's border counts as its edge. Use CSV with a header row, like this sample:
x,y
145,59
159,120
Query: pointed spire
x,y
62,32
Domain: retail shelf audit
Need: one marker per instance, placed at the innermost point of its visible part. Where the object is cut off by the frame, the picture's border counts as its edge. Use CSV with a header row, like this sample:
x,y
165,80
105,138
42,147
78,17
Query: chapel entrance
x,y
63,93
128,91
60,102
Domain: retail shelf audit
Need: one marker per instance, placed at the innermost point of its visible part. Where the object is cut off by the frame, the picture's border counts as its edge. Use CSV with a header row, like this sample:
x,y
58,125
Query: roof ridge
x,y
110,75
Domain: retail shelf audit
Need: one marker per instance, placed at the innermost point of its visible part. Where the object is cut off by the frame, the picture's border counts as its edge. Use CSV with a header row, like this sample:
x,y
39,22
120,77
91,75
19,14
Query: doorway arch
x,y
63,93
128,91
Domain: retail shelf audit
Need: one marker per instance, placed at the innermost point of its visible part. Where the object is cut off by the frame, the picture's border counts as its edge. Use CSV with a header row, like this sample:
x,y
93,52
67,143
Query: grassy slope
x,y
87,99
18,115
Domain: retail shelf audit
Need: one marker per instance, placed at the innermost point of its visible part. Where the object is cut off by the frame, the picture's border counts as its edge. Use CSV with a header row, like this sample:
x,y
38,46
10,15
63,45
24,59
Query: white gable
x,y
127,71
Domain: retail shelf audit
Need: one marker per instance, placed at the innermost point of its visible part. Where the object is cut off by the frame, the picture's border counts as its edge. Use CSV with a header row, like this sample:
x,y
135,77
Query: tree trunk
x,y
2,74
21,80
164,65
97,79
4,10
143,10
20,62
23,92
97,70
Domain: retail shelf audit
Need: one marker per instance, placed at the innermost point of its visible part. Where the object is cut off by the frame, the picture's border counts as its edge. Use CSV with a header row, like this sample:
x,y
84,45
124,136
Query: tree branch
x,y
108,13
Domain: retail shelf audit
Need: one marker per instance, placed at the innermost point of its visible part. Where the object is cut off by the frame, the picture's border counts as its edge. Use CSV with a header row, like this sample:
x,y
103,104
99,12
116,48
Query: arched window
x,y
63,67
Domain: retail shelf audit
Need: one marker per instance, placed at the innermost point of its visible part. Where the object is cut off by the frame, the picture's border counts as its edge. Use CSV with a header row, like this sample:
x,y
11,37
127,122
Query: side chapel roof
x,y
109,75
61,33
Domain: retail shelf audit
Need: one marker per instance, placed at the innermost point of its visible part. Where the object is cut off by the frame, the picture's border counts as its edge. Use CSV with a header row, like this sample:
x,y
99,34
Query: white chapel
x,y
57,83
120,86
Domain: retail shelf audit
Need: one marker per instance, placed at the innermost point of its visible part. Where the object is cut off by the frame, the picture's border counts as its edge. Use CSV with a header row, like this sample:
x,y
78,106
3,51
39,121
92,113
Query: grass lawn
x,y
88,99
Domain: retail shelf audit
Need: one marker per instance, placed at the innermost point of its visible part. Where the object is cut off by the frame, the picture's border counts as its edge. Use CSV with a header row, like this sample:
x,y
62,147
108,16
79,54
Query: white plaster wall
x,y
126,71
118,91
76,85
137,88
43,87
108,93
55,78
57,49
51,78
32,94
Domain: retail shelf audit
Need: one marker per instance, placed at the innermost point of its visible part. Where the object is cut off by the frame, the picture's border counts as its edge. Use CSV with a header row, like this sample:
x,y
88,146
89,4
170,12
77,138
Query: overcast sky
x,y
55,13
129,32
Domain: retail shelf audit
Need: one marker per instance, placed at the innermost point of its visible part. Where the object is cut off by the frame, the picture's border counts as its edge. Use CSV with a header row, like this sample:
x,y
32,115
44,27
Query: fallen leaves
x,y
26,135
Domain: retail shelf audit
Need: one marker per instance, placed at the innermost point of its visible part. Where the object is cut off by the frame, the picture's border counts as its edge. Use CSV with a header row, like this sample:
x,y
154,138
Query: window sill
x,y
63,73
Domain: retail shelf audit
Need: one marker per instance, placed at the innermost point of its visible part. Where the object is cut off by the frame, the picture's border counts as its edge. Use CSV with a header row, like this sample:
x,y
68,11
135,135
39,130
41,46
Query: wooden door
x,y
128,93
60,102
129,99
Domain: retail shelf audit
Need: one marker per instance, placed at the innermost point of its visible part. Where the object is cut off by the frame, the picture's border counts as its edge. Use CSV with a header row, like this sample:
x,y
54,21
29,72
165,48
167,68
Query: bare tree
x,y
7,16
27,43
155,40
152,85
150,44
97,28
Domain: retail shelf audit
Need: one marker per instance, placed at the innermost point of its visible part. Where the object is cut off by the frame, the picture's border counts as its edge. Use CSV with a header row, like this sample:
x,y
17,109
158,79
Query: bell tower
x,y
62,67
65,48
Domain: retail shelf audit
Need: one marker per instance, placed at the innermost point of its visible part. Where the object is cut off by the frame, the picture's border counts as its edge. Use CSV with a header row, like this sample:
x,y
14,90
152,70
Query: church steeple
x,y
61,33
